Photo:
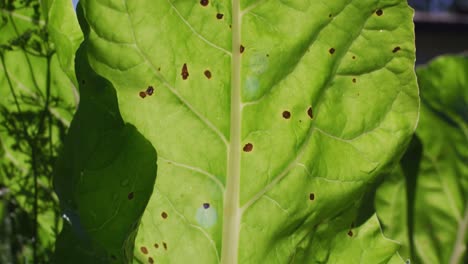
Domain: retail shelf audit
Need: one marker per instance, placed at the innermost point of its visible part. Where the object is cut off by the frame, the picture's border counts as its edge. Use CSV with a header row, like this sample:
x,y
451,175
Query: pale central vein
x,y
231,207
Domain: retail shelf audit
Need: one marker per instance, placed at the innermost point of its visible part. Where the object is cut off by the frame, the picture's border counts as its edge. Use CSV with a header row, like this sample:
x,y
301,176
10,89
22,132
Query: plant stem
x,y
460,247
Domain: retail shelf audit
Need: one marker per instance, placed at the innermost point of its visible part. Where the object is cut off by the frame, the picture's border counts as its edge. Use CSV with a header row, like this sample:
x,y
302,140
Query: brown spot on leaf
x,y
208,74
150,260
242,48
165,245
184,73
311,196
204,2
379,12
142,94
286,114
354,80
144,250
350,233
156,245
219,16
396,49
310,113
354,57
332,50
248,147
130,195
164,215
150,90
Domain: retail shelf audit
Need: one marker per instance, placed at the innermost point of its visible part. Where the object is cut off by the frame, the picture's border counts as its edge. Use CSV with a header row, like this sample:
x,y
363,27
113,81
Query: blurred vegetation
x,y
36,105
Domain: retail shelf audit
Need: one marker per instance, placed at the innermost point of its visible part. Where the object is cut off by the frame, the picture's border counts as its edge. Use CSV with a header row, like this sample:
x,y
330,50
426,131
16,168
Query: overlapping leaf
x,y
431,216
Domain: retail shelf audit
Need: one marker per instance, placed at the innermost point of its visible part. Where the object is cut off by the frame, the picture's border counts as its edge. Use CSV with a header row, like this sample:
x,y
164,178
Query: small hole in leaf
x,y
156,245
310,113
184,73
208,74
332,50
164,215
144,250
150,260
354,80
286,114
311,196
219,16
242,48
379,12
164,245
206,205
142,94
204,2
248,147
396,49
350,233
130,195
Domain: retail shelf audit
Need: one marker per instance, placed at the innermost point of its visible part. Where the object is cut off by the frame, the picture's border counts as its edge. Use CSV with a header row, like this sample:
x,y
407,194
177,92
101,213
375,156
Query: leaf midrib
x,y
231,206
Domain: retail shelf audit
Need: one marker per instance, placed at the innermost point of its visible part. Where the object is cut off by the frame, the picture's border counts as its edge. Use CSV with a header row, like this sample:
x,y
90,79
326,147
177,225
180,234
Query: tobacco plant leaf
x,y
271,119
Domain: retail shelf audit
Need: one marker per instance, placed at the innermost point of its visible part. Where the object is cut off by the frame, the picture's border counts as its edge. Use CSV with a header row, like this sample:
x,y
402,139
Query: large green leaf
x,y
432,220
271,119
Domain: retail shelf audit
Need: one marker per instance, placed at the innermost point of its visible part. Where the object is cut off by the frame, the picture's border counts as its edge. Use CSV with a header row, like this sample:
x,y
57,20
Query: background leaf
x,y
439,215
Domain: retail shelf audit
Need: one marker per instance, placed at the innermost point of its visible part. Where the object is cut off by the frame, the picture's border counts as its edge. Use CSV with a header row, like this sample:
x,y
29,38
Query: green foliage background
x,y
106,171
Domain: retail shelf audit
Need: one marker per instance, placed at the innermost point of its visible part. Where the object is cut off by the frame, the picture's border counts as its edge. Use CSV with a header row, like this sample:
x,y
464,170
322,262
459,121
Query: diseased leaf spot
x,y
379,12
142,94
354,57
396,49
150,260
310,113
130,195
150,90
354,80
164,245
311,196
330,15
350,233
286,114
208,74
164,215
248,147
156,245
184,73
332,50
219,16
206,205
144,250
204,2
242,48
